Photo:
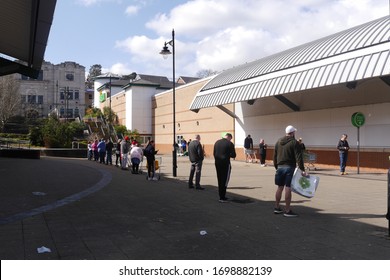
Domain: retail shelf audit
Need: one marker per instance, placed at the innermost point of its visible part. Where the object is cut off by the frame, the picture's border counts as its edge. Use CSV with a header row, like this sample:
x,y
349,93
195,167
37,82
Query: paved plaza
x,y
85,210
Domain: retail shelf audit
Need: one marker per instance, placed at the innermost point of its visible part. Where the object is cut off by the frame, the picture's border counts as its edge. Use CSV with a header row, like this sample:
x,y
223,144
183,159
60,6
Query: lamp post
x,y
109,117
66,103
165,52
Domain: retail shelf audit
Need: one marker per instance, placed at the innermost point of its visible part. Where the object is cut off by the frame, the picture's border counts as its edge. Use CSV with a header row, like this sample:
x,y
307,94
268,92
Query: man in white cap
x,y
287,156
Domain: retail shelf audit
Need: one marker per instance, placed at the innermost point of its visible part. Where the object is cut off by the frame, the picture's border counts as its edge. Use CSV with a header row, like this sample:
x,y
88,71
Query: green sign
x,y
358,119
102,96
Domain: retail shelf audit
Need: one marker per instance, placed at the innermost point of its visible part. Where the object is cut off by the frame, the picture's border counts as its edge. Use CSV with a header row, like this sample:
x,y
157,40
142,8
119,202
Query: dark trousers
x,y
109,157
150,162
196,169
118,158
95,155
262,158
102,156
223,176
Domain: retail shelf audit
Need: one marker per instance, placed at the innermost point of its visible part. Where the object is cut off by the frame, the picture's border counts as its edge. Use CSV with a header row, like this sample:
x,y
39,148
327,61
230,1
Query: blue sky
x,y
126,36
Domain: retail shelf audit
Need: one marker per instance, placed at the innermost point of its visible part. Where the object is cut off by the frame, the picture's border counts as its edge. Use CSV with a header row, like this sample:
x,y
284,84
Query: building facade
x,y
59,89
131,99
316,87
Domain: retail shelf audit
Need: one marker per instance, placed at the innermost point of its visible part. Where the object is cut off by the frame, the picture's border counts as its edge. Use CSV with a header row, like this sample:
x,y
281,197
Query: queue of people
x,y
126,151
288,155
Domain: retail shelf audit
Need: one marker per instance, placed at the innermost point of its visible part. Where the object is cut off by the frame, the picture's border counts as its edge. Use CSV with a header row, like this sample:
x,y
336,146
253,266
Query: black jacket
x,y
195,151
288,152
223,151
343,146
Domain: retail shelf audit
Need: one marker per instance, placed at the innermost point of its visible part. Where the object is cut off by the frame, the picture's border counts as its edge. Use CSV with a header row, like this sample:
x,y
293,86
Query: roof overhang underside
x,y
358,53
24,31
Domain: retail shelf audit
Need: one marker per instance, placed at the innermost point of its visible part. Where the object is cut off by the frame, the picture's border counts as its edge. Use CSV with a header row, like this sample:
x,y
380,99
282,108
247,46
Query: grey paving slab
x,y
128,217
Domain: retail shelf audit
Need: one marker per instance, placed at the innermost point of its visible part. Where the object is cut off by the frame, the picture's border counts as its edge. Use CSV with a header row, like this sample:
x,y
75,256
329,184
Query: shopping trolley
x,y
310,159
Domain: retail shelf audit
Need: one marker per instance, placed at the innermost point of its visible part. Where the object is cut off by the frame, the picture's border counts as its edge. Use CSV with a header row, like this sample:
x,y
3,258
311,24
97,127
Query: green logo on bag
x,y
304,182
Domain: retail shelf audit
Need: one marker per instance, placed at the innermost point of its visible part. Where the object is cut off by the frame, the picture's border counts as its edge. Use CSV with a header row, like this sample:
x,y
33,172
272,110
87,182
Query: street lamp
x,y
66,103
165,52
109,116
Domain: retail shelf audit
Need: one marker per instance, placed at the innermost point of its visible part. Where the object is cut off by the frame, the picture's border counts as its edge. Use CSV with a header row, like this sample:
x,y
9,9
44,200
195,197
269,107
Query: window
x,y
62,111
23,99
69,113
90,96
76,94
62,95
76,112
31,99
70,95
40,99
69,76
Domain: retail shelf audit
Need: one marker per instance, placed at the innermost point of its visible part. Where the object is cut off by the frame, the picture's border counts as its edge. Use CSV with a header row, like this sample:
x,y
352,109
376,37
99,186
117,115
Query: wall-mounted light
x,y
163,125
178,124
197,122
351,85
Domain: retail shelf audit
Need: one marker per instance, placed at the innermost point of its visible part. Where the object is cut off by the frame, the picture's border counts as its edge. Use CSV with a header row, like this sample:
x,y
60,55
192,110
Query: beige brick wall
x,y
209,122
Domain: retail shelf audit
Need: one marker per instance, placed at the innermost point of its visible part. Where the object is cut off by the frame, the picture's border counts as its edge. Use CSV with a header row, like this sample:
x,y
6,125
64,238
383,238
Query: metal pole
x,y
66,103
388,200
109,123
358,150
174,152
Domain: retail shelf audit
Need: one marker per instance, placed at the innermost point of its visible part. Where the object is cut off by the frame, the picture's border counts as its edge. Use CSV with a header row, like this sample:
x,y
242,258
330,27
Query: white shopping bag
x,y
304,185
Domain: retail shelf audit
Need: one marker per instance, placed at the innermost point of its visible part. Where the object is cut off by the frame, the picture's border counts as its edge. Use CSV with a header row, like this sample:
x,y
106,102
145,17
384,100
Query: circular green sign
x,y
358,119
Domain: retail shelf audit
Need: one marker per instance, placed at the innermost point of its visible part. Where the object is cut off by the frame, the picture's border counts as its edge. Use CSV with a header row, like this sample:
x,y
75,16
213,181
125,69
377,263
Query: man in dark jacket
x,y
223,151
196,156
287,155
343,148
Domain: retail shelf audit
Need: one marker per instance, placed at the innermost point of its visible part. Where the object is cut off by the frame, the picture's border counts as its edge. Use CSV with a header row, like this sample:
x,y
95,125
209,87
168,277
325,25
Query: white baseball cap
x,y
290,129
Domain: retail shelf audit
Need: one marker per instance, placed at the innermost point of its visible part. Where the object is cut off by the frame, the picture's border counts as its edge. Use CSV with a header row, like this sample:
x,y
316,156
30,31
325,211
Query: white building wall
x,y
129,109
140,109
321,128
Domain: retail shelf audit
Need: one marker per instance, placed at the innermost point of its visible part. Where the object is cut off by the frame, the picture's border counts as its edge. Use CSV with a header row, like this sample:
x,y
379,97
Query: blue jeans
x,y
343,160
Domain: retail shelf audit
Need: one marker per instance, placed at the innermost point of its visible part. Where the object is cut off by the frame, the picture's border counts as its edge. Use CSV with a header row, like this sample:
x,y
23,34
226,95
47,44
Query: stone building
x,y
59,89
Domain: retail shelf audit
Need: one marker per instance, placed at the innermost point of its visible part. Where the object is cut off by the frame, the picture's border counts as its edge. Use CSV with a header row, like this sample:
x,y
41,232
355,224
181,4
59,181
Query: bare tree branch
x,y
10,100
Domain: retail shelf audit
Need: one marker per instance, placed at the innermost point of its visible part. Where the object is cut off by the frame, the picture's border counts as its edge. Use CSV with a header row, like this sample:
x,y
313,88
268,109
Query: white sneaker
x,y
150,178
155,179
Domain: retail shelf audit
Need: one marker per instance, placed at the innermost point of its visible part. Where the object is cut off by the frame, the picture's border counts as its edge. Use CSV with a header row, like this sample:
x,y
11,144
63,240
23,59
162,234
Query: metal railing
x,y
10,143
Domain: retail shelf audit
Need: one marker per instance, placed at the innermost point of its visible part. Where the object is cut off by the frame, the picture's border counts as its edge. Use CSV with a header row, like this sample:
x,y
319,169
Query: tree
x,y
94,71
56,134
9,99
93,112
206,73
109,115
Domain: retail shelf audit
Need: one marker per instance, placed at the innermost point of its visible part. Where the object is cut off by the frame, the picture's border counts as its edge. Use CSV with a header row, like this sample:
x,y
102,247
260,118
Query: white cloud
x,y
132,10
89,2
219,34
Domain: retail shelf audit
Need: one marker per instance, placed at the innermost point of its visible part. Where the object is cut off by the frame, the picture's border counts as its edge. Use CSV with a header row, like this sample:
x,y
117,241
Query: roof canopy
x,y
348,56
24,31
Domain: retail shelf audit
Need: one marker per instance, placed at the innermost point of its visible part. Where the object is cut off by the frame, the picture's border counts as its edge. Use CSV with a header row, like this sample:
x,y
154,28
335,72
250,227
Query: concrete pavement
x,y
84,210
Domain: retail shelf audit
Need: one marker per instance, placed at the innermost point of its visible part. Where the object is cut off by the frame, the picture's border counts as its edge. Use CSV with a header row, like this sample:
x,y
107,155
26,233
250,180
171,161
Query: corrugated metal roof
x,y
24,31
357,53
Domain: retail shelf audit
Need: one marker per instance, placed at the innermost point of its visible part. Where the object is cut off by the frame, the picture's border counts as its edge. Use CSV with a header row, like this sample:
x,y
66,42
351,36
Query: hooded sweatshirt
x,y
288,152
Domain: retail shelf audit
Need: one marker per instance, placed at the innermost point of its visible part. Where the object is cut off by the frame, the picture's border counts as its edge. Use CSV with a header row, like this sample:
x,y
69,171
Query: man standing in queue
x,y
287,155
196,156
223,150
